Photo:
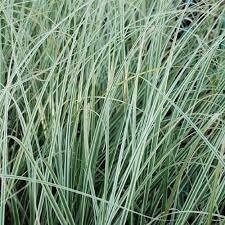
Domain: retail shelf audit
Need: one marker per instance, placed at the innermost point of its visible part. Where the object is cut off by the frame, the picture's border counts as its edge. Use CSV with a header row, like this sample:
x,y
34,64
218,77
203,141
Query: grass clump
x,y
112,112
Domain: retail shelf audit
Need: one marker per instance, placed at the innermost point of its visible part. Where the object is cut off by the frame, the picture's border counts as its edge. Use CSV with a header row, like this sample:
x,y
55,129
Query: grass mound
x,y
112,112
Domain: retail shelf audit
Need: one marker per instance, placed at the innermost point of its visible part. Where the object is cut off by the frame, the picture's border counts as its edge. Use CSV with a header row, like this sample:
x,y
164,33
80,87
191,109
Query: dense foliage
x,y
112,112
